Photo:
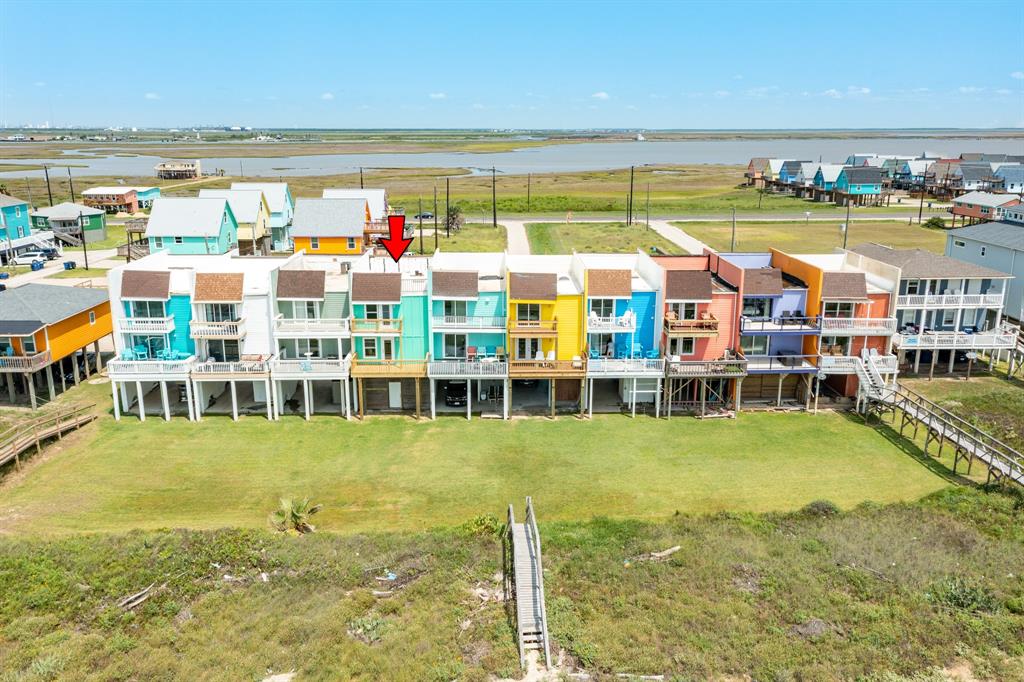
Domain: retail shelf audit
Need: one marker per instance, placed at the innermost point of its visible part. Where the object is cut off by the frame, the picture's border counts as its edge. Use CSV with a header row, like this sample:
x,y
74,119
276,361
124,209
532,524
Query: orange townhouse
x,y
41,327
333,227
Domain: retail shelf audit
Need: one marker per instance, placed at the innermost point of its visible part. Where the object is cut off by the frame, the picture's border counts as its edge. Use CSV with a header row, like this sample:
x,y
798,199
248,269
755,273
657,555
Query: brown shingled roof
x,y
533,286
687,285
144,284
219,287
376,287
455,284
609,283
762,282
844,286
306,285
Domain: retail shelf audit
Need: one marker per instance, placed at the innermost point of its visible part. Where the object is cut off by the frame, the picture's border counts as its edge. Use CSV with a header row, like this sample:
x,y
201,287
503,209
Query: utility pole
x,y
28,185
846,231
81,233
420,216
447,211
435,215
648,205
629,217
494,197
529,178
732,243
360,177
920,208
71,183
240,172
46,172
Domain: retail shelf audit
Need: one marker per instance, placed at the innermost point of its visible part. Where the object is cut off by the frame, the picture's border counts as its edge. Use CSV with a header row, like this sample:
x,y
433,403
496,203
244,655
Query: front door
x,y
395,395
527,349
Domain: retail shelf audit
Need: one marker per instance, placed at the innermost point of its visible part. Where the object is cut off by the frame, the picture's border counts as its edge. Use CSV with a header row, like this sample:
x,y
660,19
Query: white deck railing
x,y
201,329
706,368
629,366
121,368
303,327
856,326
311,366
24,363
469,368
838,364
469,321
145,325
1005,337
612,324
950,300
258,365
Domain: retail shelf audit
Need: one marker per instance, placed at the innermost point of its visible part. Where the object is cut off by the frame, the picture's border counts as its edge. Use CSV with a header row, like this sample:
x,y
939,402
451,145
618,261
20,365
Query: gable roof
x,y
245,203
455,283
67,211
275,192
791,167
687,285
329,218
988,199
30,307
7,200
918,263
186,217
1013,174
376,287
863,175
830,171
533,286
844,286
974,172
146,285
762,282
1007,235
609,283
108,189
916,166
375,198
218,287
306,285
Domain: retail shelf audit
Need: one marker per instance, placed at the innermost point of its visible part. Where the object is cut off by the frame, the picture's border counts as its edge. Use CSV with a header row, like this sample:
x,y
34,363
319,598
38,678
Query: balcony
x,y
144,325
614,324
150,370
366,368
1004,337
376,327
547,369
838,364
792,324
200,329
706,368
24,363
858,326
468,322
781,364
494,368
285,327
707,326
950,300
612,367
247,366
311,368
534,328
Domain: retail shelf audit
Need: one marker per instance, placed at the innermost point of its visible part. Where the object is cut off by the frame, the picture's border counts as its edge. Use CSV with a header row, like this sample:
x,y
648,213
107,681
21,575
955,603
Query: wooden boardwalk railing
x,y
34,432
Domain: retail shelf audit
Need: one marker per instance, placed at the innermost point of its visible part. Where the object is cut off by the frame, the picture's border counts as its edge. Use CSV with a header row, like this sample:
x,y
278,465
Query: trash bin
x,y
37,265
4,275
70,265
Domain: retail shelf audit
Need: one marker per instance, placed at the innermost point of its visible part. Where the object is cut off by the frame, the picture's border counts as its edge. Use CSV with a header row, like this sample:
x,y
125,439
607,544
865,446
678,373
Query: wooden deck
x,y
533,328
544,369
36,431
373,369
705,328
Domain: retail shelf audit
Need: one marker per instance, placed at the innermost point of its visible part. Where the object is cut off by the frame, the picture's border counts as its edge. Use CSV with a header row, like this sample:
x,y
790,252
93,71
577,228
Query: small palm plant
x,y
292,516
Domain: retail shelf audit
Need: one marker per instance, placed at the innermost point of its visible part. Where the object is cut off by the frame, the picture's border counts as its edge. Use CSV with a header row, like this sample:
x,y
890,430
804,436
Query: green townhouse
x,y
68,222
192,226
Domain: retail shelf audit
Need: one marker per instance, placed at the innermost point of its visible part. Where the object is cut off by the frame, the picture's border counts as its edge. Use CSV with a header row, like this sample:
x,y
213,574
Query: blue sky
x,y
524,65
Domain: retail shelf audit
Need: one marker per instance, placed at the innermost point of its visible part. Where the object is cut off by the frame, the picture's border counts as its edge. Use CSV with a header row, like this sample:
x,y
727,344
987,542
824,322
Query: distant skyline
x,y
547,65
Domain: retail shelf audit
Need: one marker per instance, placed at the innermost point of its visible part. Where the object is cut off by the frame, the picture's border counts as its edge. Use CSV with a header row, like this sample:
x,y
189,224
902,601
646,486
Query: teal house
x,y
467,306
192,226
147,195
14,220
860,185
155,319
72,220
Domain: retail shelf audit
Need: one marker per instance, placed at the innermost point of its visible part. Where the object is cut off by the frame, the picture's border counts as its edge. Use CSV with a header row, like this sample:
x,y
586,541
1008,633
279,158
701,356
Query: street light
x,y
807,218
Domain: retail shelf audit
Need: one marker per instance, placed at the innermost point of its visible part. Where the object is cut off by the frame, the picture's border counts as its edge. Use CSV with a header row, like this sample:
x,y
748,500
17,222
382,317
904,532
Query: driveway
x,y
518,244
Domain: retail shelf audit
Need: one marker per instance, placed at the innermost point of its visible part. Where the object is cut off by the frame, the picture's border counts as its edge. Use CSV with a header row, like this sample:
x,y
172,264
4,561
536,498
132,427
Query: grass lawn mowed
x,y
472,237
561,238
393,473
79,273
813,237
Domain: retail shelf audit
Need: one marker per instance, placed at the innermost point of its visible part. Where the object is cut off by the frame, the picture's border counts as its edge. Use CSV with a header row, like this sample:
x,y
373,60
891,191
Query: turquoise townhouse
x,y
861,185
192,226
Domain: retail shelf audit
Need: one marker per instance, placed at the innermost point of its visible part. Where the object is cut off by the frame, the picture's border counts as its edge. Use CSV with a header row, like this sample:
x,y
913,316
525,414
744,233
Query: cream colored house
x,y
253,215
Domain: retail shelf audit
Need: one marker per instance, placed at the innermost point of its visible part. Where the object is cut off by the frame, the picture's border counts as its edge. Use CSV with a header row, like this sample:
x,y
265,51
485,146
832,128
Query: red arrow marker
x,y
396,244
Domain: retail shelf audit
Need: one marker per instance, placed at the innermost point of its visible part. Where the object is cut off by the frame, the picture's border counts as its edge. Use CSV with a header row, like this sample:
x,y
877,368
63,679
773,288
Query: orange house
x,y
332,227
40,326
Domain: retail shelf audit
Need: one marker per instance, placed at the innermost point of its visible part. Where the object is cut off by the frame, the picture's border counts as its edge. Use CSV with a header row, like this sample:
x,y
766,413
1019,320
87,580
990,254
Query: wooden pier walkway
x,y
524,581
33,433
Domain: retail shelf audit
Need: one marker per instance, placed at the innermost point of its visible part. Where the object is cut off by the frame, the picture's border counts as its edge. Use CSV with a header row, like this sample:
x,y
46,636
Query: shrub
x,y
484,525
821,508
963,594
935,223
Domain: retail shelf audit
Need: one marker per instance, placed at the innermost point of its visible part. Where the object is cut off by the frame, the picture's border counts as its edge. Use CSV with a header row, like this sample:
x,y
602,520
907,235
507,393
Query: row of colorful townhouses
x,y
201,329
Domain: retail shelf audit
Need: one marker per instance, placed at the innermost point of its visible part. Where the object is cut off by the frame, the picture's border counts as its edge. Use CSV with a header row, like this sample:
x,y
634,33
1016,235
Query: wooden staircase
x,y
524,583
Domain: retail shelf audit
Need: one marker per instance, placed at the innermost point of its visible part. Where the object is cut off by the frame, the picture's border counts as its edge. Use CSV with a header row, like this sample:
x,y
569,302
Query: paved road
x,y
678,237
98,258
518,244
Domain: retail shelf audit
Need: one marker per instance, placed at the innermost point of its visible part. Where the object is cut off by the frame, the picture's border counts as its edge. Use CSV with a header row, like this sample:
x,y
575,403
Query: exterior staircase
x,y
524,582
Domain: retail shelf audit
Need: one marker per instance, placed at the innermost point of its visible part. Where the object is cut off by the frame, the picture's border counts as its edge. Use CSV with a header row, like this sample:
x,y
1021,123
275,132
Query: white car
x,y
29,257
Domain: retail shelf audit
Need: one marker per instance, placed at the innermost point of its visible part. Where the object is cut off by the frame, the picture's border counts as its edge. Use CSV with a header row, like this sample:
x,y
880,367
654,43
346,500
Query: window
x,y
311,346
602,307
959,244
28,345
147,309
223,350
913,287
454,308
757,307
179,240
92,317
684,311
754,345
835,345
455,346
948,317
370,348
603,344
158,242
983,252
378,312
17,211
314,243
6,347
220,312
527,349
527,311
838,309
351,243
680,347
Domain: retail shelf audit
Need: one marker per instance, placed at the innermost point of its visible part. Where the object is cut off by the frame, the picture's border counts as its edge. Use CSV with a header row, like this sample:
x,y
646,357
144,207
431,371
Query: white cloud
x,y
327,96
1019,75
833,93
970,89
762,91
858,90
721,93
152,95
437,95
601,95
655,95
40,84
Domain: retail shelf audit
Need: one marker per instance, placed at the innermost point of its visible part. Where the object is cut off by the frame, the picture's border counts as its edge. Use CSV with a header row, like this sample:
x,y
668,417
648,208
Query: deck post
x,y
234,401
807,392
817,392
117,405
469,399
346,398
552,387
163,400
63,378
506,396
433,399
632,398
9,380
738,387
189,401
657,399
418,400
590,398
703,395
952,358
917,361
99,360
306,395
362,398
779,396
141,400
584,397
267,390
49,382
74,368
85,360
931,370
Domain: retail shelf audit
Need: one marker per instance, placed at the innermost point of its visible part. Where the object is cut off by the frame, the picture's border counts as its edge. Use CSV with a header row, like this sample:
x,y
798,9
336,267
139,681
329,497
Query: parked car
x,y
426,215
51,254
455,394
29,257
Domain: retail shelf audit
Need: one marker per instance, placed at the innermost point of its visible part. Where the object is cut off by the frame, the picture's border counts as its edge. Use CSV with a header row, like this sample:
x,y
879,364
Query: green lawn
x,y
79,273
473,237
561,238
813,237
115,237
395,474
